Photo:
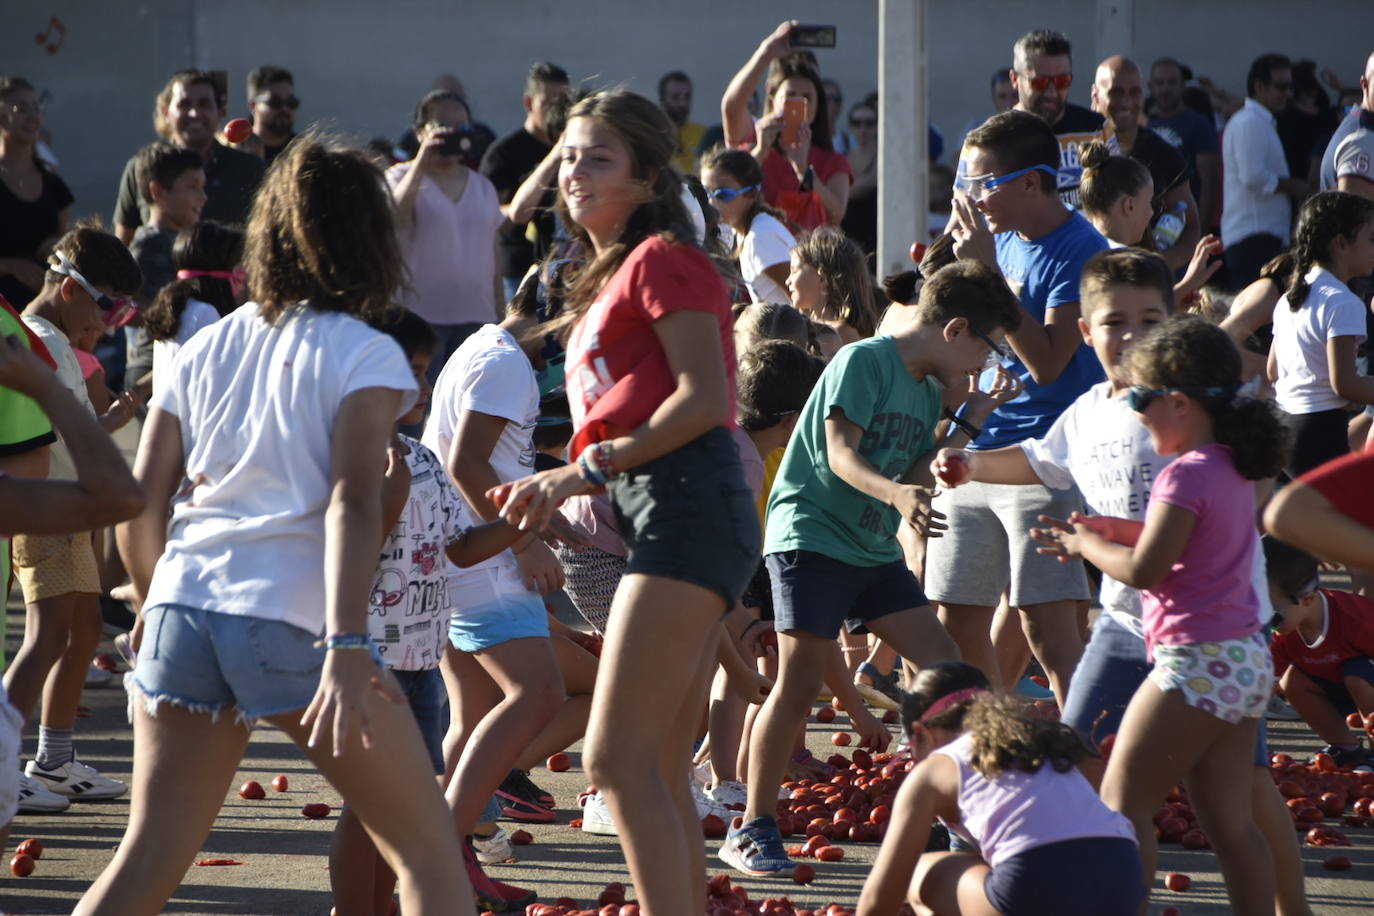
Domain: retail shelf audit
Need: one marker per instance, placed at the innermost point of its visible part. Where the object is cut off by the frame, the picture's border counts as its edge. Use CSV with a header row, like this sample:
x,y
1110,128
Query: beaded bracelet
x,y
346,641
601,454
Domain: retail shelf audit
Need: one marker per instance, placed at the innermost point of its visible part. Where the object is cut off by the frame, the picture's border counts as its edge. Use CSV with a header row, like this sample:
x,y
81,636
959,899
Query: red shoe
x,y
493,895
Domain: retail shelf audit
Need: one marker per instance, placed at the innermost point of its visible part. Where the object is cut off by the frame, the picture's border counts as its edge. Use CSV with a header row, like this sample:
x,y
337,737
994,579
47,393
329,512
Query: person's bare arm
x,y
1167,531
1346,380
104,491
1252,309
159,468
834,196
1354,184
734,105
1300,515
931,791
527,198
408,188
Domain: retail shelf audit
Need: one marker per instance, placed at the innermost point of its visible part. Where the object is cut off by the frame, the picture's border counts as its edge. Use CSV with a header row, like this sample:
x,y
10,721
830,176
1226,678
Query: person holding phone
x,y
447,217
802,175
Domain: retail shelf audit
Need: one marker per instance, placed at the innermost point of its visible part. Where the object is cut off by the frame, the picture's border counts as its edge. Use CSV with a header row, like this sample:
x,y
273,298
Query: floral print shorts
x,y
1232,679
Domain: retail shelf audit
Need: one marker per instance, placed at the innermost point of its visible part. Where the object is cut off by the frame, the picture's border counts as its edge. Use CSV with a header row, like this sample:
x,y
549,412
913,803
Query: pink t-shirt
x,y
1019,811
450,250
1207,595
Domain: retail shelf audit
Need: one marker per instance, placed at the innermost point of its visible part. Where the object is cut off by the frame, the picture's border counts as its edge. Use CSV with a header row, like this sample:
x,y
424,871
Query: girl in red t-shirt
x,y
806,179
650,363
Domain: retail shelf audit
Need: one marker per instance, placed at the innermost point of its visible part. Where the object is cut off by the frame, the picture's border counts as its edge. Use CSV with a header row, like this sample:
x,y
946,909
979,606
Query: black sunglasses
x,y
277,102
1140,398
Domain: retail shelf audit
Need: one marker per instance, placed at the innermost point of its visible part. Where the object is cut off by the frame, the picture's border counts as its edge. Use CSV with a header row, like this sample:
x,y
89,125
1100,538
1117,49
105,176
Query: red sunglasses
x,y
1041,83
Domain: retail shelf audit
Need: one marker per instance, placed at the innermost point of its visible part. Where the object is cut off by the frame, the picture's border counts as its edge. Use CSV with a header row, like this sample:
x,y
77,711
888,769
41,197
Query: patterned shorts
x,y
592,576
1231,679
52,565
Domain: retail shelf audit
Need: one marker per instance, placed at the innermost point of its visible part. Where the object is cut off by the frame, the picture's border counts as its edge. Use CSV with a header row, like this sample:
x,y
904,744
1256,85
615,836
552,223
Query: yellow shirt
x,y
689,136
770,470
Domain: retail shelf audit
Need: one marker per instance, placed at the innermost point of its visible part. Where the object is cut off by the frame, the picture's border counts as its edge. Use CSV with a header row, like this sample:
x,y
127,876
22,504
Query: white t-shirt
x,y
61,466
766,243
1100,444
408,608
1330,310
195,316
256,404
489,374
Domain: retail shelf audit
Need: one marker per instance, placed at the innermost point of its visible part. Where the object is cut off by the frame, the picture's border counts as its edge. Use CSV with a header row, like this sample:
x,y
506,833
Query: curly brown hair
x,y
321,232
1195,356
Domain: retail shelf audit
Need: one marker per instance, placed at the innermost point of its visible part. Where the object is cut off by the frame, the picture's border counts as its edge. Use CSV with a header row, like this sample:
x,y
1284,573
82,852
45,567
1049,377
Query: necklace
x,y
23,183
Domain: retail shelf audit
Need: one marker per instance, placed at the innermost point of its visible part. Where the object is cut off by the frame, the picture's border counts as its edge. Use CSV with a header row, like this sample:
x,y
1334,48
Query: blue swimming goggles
x,y
979,187
725,195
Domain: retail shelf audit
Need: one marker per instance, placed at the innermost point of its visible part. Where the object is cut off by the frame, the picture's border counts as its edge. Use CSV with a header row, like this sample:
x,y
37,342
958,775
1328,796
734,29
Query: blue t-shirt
x,y
1044,274
1190,133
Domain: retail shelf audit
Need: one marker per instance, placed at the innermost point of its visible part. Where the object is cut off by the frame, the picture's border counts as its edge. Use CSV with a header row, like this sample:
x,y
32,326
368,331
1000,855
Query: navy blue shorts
x,y
1031,883
816,593
1337,692
424,691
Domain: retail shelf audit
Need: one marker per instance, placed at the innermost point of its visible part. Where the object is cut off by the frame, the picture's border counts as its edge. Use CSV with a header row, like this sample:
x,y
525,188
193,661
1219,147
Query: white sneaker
x,y
1279,710
98,677
35,798
596,817
75,779
707,805
494,849
728,793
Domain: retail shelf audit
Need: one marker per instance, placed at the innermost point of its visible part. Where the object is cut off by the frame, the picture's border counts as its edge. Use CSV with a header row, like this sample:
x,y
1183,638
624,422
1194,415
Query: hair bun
x,y
1093,154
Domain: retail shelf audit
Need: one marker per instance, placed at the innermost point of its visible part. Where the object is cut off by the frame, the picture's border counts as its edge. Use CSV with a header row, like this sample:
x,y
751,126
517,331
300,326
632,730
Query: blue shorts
x,y
207,661
815,593
1337,692
1031,883
1113,666
492,606
424,691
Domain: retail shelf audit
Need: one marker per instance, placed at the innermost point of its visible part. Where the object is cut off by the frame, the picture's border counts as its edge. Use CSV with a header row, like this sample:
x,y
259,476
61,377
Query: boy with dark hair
x,y
851,476
1008,216
1323,650
88,272
171,181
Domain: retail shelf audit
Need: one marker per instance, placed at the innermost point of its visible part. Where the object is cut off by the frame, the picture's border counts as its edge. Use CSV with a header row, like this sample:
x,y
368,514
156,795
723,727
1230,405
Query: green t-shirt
x,y
23,424
810,507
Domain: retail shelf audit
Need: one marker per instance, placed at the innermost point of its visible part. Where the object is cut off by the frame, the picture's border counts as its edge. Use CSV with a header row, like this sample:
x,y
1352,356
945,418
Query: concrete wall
x,y
360,65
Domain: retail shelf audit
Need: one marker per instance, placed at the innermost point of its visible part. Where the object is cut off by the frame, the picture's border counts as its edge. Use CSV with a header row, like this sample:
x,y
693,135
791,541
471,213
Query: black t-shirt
x,y
231,179
1075,127
1166,164
272,152
24,225
507,163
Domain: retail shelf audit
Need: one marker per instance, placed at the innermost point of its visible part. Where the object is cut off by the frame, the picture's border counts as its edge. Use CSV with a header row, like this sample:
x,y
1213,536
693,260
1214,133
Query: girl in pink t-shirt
x,y
1007,782
1192,558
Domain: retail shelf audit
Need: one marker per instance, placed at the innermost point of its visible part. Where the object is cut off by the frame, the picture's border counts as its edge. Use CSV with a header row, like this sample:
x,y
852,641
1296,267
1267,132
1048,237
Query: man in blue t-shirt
x,y
1007,215
1188,132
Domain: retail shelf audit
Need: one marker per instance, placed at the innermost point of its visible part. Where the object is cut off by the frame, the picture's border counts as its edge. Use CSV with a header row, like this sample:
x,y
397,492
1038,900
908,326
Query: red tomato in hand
x,y
953,470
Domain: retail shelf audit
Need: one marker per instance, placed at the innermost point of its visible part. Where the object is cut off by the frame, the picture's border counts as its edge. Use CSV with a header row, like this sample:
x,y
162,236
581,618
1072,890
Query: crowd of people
x,y
391,402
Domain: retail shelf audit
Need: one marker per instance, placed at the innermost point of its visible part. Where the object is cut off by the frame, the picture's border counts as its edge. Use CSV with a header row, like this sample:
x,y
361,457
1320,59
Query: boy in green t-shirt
x,y
855,468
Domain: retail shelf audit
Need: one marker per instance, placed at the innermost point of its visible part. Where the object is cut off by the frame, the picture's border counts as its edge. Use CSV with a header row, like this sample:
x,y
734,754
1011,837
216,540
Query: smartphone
x,y
812,36
794,115
458,142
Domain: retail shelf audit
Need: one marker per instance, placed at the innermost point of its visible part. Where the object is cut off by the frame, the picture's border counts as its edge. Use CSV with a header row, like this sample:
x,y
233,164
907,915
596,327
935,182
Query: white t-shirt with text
x,y
256,403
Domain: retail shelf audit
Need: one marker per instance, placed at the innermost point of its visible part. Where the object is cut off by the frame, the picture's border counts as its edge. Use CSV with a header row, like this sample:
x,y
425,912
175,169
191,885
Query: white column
x,y
902,148
1115,33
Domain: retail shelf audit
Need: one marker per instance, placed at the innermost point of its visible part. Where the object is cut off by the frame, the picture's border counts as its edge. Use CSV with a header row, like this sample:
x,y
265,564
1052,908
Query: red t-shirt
x,y
1349,634
781,186
617,372
1346,483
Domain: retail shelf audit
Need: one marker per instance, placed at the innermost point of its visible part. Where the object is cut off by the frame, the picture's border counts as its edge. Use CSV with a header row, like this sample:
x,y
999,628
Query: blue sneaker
x,y
755,848
1033,691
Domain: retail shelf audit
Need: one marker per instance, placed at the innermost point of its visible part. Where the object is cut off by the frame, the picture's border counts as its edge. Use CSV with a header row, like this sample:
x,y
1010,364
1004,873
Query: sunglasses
x,y
1140,398
117,312
277,102
1040,83
863,122
996,354
725,195
979,187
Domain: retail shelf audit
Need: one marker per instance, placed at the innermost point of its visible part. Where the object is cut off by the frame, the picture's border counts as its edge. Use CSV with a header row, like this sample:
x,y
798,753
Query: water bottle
x,y
1170,226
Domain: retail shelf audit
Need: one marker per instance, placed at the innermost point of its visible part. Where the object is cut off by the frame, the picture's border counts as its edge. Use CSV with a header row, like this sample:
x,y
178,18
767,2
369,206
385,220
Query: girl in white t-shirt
x,y
734,181
267,450
206,289
1319,323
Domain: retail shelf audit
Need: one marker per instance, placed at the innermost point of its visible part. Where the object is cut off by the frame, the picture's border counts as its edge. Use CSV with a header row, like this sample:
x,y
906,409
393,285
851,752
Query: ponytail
x,y
1255,434
1323,218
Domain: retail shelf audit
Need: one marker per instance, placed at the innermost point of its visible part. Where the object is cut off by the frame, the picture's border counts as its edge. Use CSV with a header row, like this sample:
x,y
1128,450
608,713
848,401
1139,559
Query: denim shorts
x,y
1031,883
208,661
689,516
816,593
1113,666
492,606
424,691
